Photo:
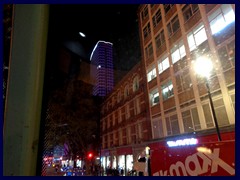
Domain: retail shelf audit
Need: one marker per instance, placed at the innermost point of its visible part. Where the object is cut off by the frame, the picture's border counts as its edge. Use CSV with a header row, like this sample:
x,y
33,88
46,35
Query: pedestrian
x,y
56,168
122,172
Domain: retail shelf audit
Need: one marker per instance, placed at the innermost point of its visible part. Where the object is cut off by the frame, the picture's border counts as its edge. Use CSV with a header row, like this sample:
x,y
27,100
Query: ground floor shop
x,y
126,159
120,159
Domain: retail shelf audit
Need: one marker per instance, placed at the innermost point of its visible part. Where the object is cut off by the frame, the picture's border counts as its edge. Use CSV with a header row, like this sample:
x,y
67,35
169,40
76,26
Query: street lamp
x,y
203,66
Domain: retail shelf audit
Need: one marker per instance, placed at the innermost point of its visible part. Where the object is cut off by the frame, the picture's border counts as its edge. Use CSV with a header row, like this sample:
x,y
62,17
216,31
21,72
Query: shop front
x,y
125,160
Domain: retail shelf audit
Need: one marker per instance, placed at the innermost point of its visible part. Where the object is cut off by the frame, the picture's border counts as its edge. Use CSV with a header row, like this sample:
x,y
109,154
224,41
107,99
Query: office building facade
x,y
102,68
124,123
173,37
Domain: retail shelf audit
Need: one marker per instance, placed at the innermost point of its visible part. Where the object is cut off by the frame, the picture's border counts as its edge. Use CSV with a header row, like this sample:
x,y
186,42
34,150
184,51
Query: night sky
x,y
114,23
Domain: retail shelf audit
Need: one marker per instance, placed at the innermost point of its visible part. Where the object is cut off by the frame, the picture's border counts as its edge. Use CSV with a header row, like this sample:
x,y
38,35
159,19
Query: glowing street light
x,y
203,66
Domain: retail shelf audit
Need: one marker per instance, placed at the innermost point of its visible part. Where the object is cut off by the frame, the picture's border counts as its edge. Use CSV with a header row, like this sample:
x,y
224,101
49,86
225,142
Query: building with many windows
x,y
124,123
102,68
173,37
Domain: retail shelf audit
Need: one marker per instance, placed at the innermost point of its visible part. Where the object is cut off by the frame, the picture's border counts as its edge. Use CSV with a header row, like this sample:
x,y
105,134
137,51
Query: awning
x,y
105,152
124,151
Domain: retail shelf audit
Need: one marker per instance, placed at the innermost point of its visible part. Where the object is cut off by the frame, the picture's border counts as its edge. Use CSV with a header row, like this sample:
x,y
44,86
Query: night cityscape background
x,y
114,89
116,23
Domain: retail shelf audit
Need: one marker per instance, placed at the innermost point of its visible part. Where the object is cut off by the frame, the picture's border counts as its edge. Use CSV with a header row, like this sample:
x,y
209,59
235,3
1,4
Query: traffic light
x,y
90,155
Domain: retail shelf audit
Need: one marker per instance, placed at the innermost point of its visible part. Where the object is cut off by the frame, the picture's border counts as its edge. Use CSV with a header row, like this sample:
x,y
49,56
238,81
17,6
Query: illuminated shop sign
x,y
182,142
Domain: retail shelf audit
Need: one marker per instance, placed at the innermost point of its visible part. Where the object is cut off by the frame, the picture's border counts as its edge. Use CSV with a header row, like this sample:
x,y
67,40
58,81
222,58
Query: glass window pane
x,y
165,63
156,130
208,116
200,37
191,42
187,122
174,124
175,56
169,130
195,119
182,51
160,128
221,116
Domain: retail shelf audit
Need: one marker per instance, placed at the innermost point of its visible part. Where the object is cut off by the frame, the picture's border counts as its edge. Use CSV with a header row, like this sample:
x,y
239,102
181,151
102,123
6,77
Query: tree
x,y
73,115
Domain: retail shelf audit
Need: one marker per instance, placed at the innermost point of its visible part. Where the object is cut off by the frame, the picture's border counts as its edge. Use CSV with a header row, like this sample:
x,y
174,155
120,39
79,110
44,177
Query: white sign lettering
x,y
211,160
183,142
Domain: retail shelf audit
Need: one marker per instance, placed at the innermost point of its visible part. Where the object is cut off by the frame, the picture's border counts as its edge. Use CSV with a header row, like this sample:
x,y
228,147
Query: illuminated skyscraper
x,y
102,68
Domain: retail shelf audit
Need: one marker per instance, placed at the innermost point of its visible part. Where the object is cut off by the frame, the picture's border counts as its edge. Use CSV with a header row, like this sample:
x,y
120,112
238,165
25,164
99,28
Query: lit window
x,y
163,65
151,74
167,90
178,52
196,37
154,97
220,18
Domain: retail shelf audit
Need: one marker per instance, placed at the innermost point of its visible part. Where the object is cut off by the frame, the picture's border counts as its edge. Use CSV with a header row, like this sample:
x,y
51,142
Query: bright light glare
x,y
82,34
203,66
221,23
204,150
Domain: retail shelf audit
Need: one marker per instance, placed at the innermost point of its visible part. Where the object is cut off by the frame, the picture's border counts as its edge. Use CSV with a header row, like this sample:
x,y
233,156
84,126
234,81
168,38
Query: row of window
x,y
173,25
219,19
191,121
116,116
128,135
226,55
126,93
167,92
195,38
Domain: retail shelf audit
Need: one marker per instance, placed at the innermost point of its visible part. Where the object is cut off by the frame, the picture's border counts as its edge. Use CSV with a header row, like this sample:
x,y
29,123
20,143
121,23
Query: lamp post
x,y
203,66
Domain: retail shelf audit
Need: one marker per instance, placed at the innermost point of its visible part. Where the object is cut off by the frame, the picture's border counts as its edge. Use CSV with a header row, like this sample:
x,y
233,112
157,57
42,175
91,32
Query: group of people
x,y
114,172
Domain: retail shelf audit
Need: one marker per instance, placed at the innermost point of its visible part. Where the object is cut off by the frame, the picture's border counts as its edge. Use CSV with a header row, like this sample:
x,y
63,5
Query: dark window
x,y
149,51
157,18
160,39
167,7
145,12
173,26
146,31
189,10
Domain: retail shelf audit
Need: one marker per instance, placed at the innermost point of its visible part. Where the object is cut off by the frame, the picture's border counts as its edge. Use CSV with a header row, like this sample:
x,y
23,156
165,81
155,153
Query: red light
x,y
90,155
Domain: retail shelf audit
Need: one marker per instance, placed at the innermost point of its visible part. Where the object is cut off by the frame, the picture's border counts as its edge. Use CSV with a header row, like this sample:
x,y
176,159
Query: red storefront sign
x,y
124,151
205,159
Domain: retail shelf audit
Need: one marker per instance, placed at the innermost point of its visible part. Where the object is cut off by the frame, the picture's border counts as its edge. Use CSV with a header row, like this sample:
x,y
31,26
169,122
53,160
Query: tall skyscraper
x,y
102,68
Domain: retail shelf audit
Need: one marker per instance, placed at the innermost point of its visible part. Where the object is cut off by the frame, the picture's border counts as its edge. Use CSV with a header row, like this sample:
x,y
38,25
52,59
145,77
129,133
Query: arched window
x,y
126,91
119,96
135,83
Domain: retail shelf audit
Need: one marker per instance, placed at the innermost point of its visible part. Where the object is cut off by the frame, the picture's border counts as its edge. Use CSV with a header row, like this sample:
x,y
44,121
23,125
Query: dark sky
x,y
115,23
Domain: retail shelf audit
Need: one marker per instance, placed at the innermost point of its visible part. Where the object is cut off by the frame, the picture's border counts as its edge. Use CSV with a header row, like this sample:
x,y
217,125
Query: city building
x,y
124,124
177,104
173,37
102,68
